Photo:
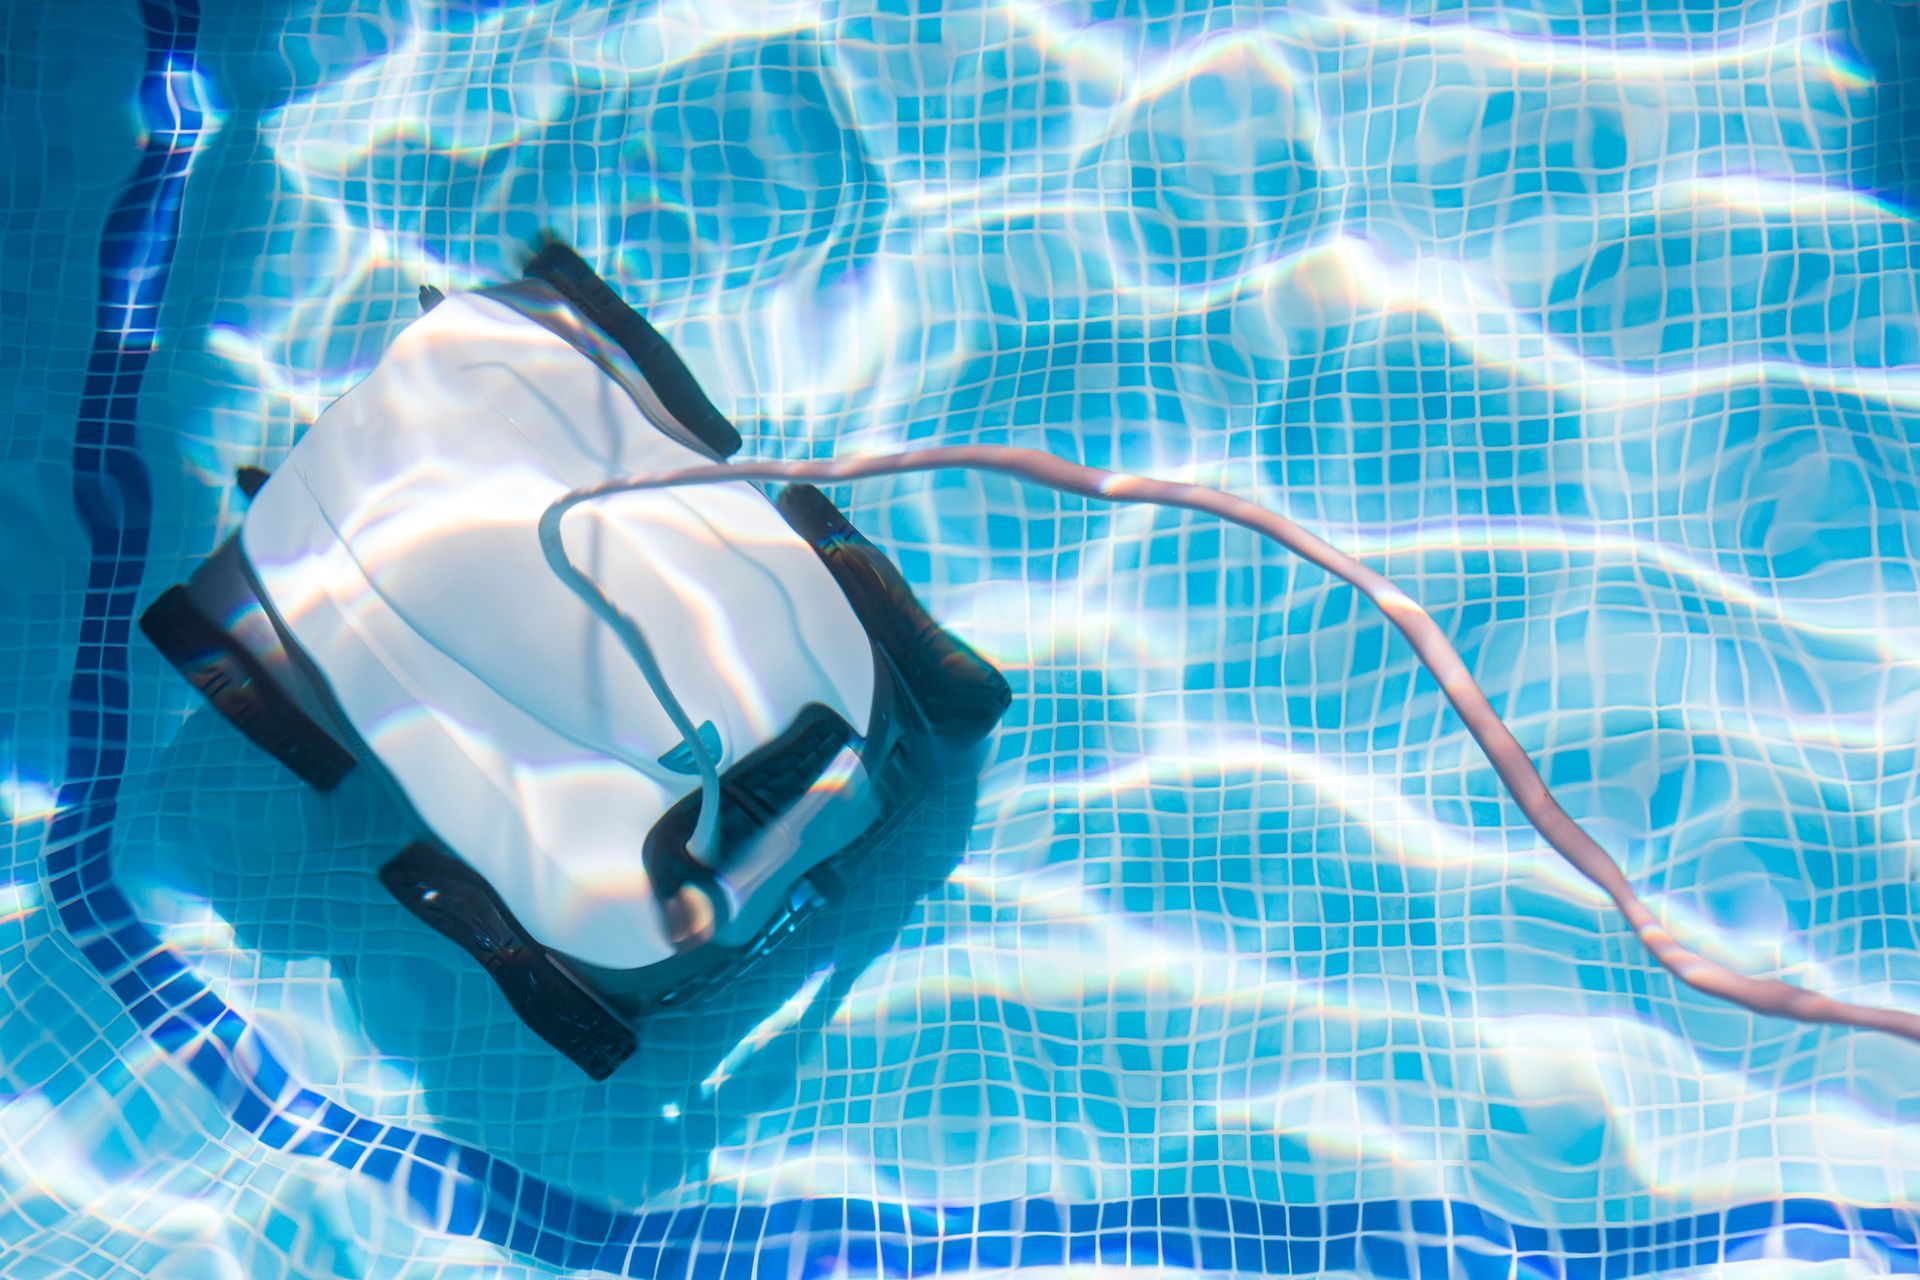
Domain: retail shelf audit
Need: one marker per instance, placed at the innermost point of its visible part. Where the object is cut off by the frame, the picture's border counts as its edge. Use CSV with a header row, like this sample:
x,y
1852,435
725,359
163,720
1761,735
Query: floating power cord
x,y
1509,759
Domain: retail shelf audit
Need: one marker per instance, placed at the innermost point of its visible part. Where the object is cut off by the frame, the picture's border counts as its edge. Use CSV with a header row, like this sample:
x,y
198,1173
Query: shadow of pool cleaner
x,y
348,990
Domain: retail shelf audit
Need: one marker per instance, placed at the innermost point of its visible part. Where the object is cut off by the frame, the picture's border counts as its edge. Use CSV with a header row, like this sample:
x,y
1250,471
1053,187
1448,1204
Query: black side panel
x,y
960,692
577,282
454,898
241,690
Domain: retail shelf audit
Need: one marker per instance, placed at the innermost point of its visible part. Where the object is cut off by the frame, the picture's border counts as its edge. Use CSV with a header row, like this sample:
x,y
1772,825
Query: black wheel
x,y
959,692
558,265
549,997
240,687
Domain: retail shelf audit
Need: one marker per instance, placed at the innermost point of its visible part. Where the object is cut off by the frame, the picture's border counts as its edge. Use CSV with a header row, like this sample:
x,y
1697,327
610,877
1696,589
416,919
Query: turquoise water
x,y
1595,327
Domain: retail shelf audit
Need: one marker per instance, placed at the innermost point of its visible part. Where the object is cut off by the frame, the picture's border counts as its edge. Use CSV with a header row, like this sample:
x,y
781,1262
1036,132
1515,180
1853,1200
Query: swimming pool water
x,y
1593,325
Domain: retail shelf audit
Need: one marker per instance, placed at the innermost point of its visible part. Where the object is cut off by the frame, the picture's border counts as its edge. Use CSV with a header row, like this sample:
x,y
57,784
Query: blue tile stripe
x,y
464,1192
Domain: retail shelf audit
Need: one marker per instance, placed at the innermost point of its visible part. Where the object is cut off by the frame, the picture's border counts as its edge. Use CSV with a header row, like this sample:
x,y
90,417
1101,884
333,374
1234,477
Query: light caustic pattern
x,y
1569,323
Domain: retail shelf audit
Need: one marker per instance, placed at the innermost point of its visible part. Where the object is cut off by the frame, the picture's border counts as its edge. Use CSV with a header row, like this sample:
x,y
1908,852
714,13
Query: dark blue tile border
x,y
464,1192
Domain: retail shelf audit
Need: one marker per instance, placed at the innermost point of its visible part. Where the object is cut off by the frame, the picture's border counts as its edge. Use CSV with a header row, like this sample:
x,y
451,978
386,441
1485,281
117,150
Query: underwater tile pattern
x,y
1593,326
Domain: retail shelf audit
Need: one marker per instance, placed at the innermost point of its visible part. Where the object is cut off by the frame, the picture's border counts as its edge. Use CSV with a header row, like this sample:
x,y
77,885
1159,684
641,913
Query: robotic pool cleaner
x,y
388,601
